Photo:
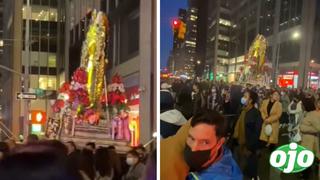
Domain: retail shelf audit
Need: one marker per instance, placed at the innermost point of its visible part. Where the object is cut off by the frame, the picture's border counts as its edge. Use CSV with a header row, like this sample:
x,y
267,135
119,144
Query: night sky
x,y
168,10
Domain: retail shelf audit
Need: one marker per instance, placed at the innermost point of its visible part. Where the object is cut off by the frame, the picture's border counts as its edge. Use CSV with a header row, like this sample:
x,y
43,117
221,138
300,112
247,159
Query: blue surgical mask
x,y
244,101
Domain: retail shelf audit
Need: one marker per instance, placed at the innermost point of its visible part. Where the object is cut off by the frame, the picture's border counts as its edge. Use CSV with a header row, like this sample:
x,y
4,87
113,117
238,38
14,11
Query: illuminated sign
x,y
36,128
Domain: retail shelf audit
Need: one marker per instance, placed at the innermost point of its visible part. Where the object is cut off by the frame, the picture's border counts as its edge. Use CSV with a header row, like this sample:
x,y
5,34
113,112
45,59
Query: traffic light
x,y
182,30
176,25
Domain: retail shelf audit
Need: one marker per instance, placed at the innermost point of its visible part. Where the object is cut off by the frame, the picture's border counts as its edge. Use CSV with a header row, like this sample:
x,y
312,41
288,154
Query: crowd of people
x,y
53,160
256,117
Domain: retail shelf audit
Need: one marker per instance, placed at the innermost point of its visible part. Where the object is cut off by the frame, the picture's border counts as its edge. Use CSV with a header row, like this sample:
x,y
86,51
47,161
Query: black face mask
x,y
195,159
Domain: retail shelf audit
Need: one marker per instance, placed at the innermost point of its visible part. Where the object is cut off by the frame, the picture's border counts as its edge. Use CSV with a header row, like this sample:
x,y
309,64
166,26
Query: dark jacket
x,y
197,101
166,101
253,124
308,104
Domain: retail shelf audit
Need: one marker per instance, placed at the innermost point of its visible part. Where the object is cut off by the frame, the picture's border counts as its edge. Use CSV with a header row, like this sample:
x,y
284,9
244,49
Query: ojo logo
x,y
291,158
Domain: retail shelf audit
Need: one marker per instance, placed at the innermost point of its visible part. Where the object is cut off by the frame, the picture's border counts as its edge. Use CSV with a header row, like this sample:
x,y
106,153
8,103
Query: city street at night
x,y
77,89
239,89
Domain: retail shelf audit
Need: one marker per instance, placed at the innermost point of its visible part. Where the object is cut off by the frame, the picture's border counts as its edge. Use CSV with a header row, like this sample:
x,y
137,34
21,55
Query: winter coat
x,y
310,129
172,163
135,172
248,128
275,114
226,168
253,124
197,103
285,102
298,111
170,122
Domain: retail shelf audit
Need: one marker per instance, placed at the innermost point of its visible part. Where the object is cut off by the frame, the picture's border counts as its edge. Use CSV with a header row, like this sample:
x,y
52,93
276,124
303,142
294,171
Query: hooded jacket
x,y
170,122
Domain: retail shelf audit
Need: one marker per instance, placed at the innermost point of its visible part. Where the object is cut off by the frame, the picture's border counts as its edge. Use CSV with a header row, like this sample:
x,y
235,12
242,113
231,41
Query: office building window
x,y
290,13
129,35
47,82
40,13
224,22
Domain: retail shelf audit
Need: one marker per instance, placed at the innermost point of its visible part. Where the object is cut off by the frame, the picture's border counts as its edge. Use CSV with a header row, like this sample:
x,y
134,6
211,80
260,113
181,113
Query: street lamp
x,y
294,36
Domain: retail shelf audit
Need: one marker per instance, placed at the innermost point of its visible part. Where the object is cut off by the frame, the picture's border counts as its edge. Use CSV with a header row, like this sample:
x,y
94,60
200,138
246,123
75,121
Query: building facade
x,y
290,26
43,60
218,44
32,37
133,55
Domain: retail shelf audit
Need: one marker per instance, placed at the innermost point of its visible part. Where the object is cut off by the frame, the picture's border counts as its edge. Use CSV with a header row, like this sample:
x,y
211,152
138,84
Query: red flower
x,y
112,98
82,96
59,103
122,98
56,109
80,76
64,88
72,94
116,79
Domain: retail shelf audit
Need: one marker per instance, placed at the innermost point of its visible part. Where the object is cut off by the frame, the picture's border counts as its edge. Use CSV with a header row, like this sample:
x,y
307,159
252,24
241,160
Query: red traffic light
x,y
176,24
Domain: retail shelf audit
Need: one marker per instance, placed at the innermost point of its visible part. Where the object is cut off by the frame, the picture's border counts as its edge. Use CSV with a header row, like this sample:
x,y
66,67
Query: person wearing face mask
x,y
197,151
247,132
136,167
271,110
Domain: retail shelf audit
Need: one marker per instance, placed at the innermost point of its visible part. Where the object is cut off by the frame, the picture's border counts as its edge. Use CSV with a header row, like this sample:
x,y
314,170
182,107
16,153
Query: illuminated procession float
x,y
255,69
87,107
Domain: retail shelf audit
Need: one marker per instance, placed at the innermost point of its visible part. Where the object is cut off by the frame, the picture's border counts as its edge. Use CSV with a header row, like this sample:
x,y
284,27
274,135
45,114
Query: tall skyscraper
x,y
218,40
43,57
32,37
290,26
177,58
